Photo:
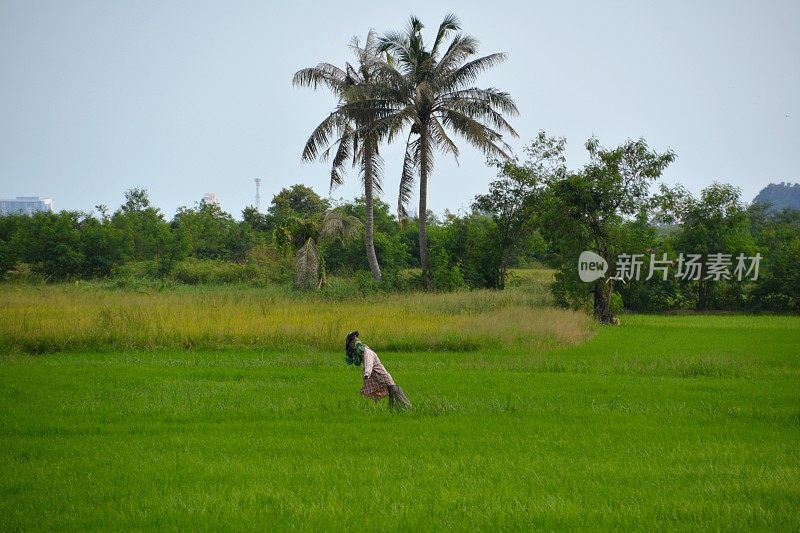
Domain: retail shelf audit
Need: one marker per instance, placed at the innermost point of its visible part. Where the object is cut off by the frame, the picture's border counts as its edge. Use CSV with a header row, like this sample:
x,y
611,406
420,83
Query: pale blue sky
x,y
184,98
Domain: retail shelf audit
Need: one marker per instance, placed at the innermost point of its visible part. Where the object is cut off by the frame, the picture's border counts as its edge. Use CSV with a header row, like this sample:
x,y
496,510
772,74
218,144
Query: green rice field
x,y
233,410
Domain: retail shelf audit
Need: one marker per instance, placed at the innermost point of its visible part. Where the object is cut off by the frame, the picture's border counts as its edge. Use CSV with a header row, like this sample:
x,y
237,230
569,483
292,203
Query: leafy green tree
x,y
638,235
348,127
145,232
777,238
297,201
293,232
446,272
585,211
212,233
513,202
715,223
136,200
778,286
9,225
463,251
432,93
51,243
771,228
259,223
102,246
175,246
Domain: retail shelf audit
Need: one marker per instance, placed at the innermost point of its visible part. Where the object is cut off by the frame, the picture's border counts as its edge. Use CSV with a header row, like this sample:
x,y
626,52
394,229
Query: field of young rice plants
x,y
231,409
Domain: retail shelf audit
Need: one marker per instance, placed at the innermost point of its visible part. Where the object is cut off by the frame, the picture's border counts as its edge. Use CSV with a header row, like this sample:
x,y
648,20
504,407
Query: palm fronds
x,y
339,226
306,266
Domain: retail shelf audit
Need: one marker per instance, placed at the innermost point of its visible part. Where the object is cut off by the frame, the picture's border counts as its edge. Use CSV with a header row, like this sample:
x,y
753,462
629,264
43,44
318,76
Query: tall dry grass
x,y
88,317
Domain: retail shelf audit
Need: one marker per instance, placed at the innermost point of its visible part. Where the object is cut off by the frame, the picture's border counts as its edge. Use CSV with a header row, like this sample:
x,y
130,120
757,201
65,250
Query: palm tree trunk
x,y
422,215
369,223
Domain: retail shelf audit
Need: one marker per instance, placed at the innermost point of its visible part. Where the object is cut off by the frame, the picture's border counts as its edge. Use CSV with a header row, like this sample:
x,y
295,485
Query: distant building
x,y
26,205
211,198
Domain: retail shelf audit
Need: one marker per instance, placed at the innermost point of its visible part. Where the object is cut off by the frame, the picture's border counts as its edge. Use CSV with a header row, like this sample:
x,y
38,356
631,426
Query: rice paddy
x,y
525,417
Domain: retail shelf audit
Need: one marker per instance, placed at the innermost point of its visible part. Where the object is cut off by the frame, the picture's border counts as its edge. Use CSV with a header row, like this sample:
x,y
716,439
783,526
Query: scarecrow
x,y
378,383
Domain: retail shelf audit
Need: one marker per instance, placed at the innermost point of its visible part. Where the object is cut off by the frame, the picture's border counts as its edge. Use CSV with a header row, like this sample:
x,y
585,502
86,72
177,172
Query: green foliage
x,y
514,202
51,244
144,230
587,210
307,240
193,271
346,257
102,246
270,264
778,240
259,223
717,222
212,234
297,201
133,270
348,131
23,273
445,274
289,231
639,236
547,214
9,225
469,246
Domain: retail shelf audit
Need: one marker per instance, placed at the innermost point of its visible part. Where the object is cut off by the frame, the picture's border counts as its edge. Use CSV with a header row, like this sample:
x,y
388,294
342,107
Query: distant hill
x,y
780,196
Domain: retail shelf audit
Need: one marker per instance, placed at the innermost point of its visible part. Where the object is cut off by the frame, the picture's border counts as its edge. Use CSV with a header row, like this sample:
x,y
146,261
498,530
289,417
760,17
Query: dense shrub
x,y
137,270
210,271
445,273
268,264
23,273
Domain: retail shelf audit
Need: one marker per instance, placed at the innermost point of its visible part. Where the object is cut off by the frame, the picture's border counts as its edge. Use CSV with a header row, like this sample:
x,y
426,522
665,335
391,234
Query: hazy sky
x,y
183,98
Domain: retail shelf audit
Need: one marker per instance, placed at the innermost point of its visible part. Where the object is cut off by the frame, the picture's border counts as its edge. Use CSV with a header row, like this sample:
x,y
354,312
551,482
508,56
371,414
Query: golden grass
x,y
68,317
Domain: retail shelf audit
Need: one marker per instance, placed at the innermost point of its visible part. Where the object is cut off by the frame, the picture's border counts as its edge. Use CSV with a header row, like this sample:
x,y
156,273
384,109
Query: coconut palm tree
x,y
431,90
347,127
